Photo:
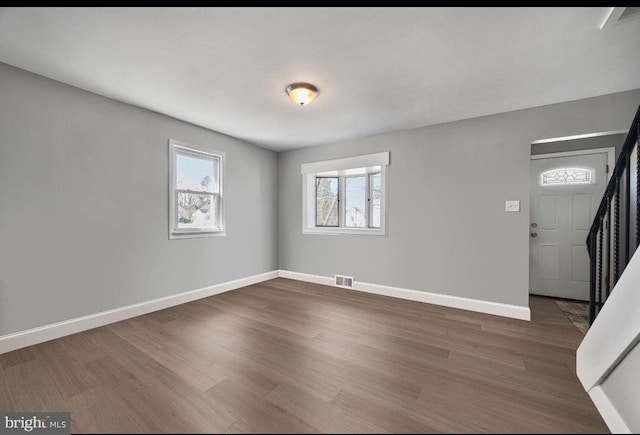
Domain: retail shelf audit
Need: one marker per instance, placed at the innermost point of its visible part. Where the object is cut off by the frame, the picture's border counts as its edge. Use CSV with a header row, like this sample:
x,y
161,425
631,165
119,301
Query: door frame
x,y
611,160
611,157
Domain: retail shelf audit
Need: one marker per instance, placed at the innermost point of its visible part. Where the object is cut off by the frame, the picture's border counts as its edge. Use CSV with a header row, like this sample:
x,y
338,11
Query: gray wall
x,y
84,219
448,231
83,205
622,388
615,140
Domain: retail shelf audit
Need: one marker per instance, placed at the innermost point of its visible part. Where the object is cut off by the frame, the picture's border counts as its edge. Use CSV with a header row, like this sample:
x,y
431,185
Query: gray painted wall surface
x,y
84,219
448,232
83,205
622,387
614,140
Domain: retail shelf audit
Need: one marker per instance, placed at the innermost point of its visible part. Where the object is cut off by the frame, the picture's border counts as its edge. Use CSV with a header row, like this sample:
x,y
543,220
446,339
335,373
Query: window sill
x,y
340,231
196,234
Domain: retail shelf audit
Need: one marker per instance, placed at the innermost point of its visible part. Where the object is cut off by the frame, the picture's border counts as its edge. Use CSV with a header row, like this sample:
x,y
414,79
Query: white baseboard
x,y
56,330
614,422
496,308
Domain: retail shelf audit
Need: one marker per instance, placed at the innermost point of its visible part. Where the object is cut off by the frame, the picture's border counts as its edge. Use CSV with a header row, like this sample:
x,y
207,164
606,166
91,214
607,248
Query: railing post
x,y
616,233
627,207
638,189
592,280
607,281
600,259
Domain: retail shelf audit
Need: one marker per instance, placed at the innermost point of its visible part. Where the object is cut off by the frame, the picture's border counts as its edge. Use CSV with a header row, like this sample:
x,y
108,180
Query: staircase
x,y
608,359
615,232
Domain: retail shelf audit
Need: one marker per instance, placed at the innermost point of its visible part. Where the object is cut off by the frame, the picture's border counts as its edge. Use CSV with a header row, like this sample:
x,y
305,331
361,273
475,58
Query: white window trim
x,y
191,233
339,166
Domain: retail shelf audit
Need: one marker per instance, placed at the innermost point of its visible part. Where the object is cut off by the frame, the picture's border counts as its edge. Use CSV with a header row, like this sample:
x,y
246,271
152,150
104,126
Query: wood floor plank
x,y
280,369
68,373
79,348
101,410
299,353
6,401
322,415
285,356
15,357
486,401
403,346
149,408
257,412
259,381
162,390
428,416
162,343
33,388
162,316
384,417
193,367
507,377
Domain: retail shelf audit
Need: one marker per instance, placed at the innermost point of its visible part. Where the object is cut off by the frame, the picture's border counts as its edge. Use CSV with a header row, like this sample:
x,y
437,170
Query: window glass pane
x,y
196,173
375,193
197,211
567,176
327,202
355,189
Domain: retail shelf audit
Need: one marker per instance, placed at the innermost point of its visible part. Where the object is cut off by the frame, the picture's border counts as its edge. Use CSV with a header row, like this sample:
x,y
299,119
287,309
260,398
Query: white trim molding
x,y
487,307
613,15
574,153
578,136
378,159
610,339
609,414
44,333
61,329
614,333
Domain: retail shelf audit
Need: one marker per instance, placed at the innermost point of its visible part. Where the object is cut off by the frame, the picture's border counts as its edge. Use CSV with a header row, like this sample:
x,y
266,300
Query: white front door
x,y
565,195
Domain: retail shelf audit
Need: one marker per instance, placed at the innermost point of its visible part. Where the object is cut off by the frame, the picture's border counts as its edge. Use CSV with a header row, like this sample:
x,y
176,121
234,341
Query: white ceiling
x,y
378,69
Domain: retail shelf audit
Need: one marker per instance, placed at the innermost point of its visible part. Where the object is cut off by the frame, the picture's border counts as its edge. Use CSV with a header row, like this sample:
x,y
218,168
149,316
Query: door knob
x,y
533,225
534,234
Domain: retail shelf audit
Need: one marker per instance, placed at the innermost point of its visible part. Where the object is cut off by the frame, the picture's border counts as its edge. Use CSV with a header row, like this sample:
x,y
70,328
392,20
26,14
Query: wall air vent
x,y
344,281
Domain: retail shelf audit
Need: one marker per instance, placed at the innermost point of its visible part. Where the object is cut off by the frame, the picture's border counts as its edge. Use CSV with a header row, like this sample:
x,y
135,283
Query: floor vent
x,y
344,281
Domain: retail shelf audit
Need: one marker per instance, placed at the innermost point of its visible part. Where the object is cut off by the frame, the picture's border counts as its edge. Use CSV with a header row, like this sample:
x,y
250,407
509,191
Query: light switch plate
x,y
512,206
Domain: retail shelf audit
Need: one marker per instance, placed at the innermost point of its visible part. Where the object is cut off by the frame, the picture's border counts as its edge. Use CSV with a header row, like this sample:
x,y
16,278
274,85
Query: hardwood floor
x,y
288,356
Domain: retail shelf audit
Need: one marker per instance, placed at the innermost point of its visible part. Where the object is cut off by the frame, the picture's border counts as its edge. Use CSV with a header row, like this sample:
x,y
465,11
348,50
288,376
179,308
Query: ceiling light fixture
x,y
302,93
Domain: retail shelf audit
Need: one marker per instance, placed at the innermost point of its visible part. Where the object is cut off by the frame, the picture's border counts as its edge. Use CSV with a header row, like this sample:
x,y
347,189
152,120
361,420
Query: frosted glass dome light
x,y
302,93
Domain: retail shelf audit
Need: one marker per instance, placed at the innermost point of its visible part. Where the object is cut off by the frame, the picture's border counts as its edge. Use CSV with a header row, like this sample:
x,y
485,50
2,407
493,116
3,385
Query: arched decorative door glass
x,y
564,176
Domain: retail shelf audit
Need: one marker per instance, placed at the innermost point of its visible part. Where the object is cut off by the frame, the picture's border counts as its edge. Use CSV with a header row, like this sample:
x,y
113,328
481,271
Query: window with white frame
x,y
195,191
345,196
